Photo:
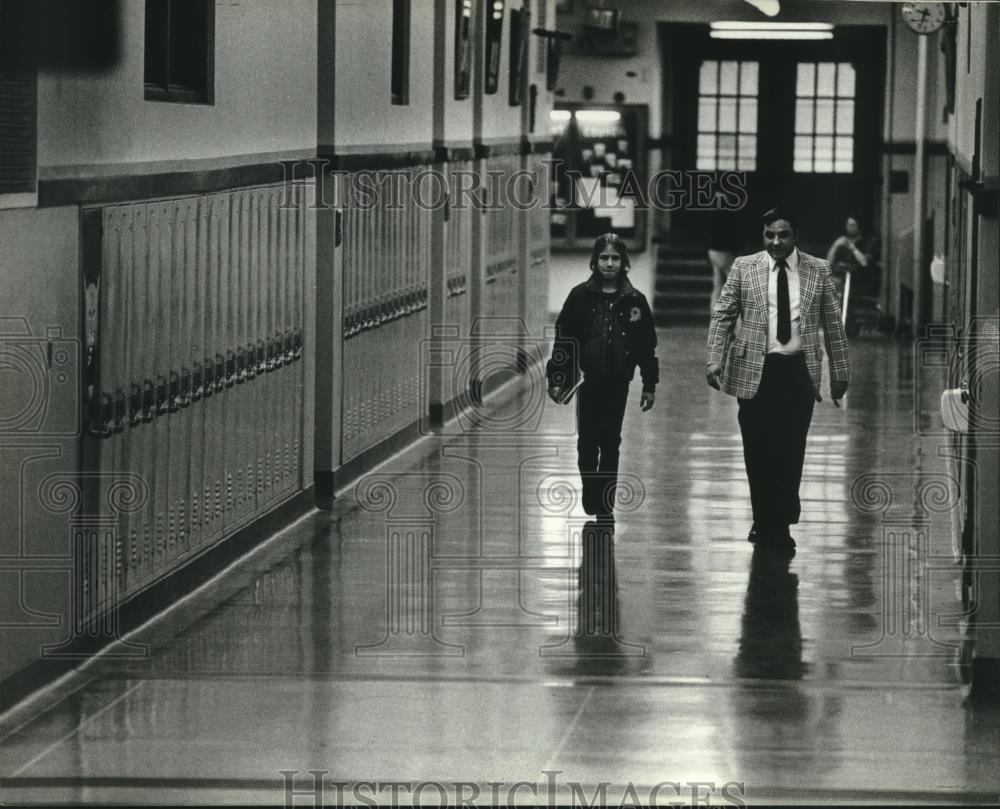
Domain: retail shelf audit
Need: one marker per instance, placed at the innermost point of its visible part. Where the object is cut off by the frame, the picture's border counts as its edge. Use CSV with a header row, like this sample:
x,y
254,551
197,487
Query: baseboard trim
x,y
144,605
366,460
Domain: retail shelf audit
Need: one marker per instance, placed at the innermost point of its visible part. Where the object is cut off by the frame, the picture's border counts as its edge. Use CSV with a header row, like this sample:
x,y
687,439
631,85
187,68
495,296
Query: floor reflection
x,y
598,607
770,645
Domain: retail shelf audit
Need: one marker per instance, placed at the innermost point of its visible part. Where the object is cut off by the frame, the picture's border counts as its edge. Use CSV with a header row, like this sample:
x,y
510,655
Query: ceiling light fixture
x,y
771,30
598,116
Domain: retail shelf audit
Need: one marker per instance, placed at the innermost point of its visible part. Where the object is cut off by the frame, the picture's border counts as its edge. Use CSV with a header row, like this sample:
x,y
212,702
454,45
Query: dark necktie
x,y
784,310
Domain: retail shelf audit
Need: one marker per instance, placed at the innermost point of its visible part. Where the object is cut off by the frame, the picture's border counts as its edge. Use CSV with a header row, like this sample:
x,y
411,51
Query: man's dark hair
x,y
774,214
616,243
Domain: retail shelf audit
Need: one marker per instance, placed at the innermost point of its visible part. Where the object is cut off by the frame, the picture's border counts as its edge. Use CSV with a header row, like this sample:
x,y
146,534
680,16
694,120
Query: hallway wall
x,y
219,299
265,83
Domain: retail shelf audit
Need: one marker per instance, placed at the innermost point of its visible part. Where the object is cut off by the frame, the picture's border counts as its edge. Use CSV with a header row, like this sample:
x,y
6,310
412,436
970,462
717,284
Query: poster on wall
x,y
463,49
494,39
520,31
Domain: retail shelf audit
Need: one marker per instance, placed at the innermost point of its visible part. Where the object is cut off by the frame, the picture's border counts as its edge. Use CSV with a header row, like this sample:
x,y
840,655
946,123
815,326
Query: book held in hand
x,y
566,395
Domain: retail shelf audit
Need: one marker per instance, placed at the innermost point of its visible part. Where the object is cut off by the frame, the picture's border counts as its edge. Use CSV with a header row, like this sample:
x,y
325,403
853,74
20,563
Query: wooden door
x,y
802,120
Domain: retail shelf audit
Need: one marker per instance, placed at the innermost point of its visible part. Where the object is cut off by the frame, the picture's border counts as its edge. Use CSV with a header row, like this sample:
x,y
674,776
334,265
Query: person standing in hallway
x,y
772,363
723,244
604,331
857,253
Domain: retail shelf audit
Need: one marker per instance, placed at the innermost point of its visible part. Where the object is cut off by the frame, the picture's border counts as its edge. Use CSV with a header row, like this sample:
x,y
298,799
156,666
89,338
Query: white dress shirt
x,y
794,344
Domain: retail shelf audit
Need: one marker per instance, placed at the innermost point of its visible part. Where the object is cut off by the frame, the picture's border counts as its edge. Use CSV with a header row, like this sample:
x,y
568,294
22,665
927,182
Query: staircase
x,y
683,288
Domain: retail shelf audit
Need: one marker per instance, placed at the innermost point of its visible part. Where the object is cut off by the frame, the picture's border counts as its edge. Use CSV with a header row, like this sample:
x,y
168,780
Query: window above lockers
x,y
400,52
18,113
180,51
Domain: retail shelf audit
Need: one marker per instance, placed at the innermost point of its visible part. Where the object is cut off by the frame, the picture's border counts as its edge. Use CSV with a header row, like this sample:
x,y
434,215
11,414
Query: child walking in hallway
x,y
604,331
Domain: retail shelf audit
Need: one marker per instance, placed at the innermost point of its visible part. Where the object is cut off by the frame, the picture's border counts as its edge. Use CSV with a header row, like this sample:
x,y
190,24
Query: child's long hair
x,y
616,243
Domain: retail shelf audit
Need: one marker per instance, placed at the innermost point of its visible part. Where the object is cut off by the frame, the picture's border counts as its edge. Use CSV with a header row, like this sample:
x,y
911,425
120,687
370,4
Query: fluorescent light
x,y
771,34
771,30
598,116
560,115
728,25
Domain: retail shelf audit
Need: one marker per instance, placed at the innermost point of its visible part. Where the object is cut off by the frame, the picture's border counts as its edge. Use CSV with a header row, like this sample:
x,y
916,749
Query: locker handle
x,y
220,373
196,381
100,415
148,401
208,378
162,395
297,344
120,410
261,357
184,397
230,368
173,392
270,355
106,421
241,365
279,354
251,361
135,405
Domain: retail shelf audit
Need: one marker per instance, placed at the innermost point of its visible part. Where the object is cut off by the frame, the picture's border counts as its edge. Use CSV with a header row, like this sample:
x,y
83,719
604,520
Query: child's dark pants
x,y
599,414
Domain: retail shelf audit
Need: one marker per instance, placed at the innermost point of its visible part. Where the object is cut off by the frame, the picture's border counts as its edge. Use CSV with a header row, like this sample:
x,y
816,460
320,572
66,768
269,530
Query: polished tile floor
x,y
457,623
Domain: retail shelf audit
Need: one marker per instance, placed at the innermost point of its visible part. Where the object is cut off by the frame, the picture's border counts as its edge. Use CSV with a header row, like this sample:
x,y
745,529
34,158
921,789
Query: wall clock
x,y
924,18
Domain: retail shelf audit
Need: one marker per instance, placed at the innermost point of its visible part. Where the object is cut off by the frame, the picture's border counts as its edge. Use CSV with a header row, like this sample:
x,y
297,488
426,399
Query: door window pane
x,y
708,83
727,110
706,150
825,79
748,152
748,115
748,79
727,114
824,117
706,115
845,117
806,84
845,81
804,114
728,76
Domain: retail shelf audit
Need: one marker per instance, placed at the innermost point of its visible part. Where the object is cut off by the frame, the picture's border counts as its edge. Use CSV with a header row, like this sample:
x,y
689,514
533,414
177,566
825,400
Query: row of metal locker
x,y
195,335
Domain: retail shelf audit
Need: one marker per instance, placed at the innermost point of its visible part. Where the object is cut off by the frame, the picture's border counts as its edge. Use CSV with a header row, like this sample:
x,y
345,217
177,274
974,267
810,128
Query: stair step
x,y
665,320
685,278
666,251
682,295
668,286
683,264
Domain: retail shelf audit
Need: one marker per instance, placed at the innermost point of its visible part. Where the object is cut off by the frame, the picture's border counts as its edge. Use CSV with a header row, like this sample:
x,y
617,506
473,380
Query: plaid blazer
x,y
741,349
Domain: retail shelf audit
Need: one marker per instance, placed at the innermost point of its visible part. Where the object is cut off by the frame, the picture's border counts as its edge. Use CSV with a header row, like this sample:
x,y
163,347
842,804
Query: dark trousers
x,y
600,410
774,424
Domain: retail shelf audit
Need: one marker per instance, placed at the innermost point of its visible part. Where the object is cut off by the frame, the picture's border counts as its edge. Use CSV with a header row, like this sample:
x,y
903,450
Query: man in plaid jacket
x,y
788,309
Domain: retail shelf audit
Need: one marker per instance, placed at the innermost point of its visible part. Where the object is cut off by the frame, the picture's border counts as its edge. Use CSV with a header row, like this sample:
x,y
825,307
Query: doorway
x,y
802,120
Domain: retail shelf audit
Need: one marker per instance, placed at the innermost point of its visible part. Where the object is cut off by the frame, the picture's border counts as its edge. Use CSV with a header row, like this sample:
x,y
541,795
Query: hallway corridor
x,y
455,619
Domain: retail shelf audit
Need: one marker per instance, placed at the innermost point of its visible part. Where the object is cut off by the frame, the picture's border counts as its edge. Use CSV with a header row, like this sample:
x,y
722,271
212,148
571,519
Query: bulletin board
x,y
600,154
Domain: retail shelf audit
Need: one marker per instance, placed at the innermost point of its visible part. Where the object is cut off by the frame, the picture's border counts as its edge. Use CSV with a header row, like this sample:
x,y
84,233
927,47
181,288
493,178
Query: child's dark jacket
x,y
606,337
